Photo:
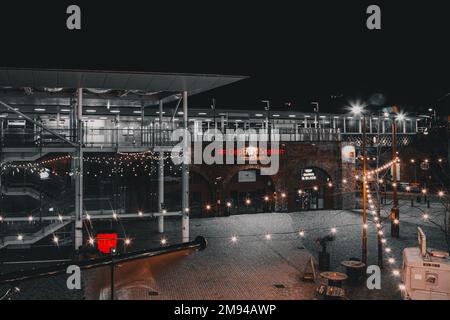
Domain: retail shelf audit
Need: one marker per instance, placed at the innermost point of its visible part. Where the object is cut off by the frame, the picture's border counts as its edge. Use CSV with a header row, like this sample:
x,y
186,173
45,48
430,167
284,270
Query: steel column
x,y
161,175
78,158
185,173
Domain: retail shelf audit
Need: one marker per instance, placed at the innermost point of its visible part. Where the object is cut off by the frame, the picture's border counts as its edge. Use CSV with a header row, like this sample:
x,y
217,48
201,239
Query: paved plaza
x,y
253,267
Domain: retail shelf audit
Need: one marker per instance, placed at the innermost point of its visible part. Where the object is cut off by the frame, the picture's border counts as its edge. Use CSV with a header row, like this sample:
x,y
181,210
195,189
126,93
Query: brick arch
x,y
293,174
197,169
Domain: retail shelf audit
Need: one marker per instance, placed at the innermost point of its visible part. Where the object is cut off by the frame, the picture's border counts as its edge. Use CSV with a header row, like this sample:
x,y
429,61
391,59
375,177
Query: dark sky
x,y
292,52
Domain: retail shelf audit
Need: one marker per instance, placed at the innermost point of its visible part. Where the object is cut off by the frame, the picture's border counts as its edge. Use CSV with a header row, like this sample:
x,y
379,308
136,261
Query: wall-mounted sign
x,y
308,175
348,154
106,242
247,176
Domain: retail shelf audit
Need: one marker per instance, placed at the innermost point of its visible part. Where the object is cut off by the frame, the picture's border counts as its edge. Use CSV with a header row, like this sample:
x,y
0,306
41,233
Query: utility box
x,y
426,273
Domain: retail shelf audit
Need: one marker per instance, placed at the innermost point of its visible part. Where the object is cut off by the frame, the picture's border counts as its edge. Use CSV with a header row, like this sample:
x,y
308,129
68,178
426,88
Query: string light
x,y
55,239
127,241
268,236
333,230
163,241
234,239
20,237
91,241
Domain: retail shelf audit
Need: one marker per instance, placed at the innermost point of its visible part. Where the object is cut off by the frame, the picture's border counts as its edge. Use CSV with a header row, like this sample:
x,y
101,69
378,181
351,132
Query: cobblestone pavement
x,y
348,240
253,267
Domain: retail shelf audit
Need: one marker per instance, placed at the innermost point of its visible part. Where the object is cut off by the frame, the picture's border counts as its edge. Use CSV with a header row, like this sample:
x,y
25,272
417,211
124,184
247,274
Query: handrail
x,y
15,277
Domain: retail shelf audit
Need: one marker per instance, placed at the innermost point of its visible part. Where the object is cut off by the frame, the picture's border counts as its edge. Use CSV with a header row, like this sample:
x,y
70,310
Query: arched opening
x,y
200,195
314,190
250,192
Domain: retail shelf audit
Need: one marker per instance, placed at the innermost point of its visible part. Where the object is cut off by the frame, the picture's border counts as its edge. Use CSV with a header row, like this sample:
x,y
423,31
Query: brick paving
x,y
248,269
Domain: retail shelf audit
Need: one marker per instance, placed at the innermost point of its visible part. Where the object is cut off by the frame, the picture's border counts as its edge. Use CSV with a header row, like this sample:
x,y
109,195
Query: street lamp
x,y
358,109
267,109
395,212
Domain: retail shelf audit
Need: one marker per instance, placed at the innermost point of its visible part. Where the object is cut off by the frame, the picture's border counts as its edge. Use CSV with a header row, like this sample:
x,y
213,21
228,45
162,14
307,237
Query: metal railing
x,y
153,136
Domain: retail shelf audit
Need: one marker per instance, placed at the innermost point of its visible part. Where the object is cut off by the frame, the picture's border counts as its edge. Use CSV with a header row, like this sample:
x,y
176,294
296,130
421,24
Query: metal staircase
x,y
14,242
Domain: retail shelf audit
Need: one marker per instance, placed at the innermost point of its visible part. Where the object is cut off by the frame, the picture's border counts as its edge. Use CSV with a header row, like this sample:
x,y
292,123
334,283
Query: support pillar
x,y
78,159
161,176
185,174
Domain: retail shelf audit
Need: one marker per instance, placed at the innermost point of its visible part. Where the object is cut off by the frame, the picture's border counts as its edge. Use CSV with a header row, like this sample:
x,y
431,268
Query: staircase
x,y
12,242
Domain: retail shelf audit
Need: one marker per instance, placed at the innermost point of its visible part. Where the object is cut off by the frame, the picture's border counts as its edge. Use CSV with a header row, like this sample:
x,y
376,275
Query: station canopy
x,y
48,87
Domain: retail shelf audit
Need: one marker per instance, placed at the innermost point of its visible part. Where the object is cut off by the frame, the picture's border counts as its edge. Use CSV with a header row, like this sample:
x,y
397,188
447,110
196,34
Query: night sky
x,y
292,53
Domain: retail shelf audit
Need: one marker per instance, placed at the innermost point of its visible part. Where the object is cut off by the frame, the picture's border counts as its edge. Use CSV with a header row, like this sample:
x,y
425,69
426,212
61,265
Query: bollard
x,y
412,203
428,204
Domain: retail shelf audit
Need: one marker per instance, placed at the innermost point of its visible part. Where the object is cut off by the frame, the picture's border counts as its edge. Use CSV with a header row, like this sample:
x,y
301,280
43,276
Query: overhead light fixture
x,y
115,111
292,116
137,111
275,115
64,110
258,115
180,113
39,109
91,111
202,113
4,115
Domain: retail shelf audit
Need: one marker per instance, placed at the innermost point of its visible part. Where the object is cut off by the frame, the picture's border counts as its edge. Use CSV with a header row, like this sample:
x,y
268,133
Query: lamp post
x,y
395,212
358,109
267,109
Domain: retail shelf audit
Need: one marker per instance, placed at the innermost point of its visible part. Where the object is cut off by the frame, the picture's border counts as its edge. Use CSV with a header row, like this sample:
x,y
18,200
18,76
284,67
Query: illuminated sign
x,y
251,152
308,175
247,176
106,242
348,154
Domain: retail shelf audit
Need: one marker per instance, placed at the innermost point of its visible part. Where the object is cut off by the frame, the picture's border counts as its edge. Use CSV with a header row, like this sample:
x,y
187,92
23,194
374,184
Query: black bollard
x,y
412,202
428,204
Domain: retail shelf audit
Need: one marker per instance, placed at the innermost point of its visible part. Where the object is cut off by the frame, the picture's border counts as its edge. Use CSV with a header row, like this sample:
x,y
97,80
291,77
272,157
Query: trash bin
x,y
324,261
355,271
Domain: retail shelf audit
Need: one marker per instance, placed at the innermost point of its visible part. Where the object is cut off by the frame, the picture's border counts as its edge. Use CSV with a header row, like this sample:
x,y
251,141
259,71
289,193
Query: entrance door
x,y
310,199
